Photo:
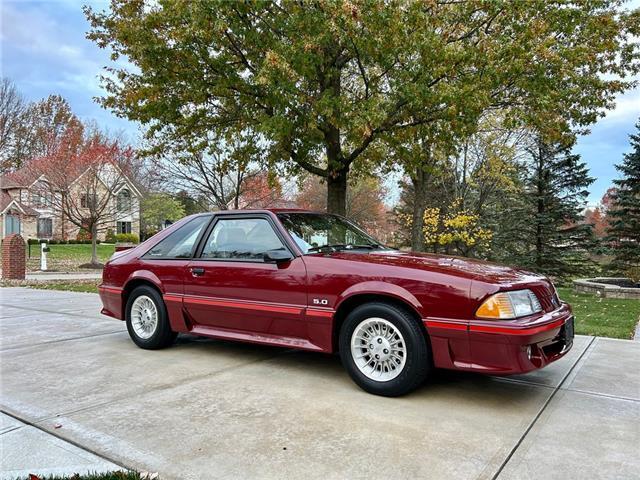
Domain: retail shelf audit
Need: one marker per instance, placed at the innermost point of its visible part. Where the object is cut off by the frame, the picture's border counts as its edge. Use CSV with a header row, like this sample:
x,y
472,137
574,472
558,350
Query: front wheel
x,y
384,349
147,320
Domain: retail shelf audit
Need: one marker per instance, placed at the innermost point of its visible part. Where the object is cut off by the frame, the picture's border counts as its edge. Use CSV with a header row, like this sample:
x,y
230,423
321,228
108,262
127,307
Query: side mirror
x,y
277,256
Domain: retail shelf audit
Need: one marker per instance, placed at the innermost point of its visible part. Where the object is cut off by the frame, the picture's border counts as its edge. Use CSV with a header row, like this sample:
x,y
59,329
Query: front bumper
x,y
502,347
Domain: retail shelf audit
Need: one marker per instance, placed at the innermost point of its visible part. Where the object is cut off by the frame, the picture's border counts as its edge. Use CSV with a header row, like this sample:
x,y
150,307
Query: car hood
x,y
457,266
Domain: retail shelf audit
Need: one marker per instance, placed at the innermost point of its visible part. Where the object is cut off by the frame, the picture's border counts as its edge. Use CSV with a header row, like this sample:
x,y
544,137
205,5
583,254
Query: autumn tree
x,y
262,190
624,213
597,217
323,83
81,178
30,130
460,191
364,202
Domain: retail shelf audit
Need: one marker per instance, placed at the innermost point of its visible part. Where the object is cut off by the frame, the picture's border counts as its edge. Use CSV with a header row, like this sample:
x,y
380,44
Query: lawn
x,y
603,317
68,257
96,476
87,286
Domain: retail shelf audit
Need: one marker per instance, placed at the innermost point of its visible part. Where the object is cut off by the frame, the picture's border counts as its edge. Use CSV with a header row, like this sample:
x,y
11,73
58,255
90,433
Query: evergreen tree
x,y
624,214
545,229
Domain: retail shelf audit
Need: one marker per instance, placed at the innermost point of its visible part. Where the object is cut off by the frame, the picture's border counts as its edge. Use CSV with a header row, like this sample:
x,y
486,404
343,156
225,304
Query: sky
x,y
43,49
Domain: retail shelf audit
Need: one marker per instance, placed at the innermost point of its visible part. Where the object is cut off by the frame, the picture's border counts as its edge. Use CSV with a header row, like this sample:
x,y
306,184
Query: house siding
x,y
63,228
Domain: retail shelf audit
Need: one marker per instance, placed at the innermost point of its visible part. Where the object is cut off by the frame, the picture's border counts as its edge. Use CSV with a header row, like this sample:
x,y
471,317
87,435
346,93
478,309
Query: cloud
x,y
44,50
31,31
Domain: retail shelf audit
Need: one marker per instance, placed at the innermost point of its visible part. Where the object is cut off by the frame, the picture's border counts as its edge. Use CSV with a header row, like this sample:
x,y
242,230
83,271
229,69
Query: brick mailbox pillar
x,y
14,262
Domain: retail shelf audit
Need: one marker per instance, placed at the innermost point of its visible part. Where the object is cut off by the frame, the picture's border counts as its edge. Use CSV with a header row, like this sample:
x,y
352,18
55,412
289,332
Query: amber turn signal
x,y
507,305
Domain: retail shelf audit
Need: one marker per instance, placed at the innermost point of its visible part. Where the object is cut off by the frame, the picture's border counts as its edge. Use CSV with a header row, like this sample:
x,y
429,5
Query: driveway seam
x,y
601,395
540,412
12,429
55,312
59,341
60,437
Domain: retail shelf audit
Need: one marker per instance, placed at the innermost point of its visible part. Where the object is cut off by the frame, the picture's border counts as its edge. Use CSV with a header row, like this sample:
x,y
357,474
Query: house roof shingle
x,y
23,177
6,200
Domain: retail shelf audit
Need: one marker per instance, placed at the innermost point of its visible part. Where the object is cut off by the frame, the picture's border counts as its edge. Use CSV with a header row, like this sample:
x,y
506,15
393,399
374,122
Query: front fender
x,y
375,287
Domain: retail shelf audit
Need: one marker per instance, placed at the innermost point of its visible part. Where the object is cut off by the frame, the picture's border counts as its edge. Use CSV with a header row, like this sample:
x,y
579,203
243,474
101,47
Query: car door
x,y
229,285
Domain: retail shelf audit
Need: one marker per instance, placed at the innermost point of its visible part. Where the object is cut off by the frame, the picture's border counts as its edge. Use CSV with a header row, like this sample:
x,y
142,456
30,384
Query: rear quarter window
x,y
181,243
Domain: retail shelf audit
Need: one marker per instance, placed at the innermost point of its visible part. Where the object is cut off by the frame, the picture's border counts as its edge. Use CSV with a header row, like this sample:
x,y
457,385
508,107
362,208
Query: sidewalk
x,y
50,276
25,445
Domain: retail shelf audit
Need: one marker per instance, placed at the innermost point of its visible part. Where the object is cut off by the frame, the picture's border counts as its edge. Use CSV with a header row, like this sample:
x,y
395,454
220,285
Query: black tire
x,y
417,364
162,336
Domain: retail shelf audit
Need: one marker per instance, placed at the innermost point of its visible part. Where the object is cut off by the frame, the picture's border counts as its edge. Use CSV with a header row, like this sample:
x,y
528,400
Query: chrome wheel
x,y
378,349
144,317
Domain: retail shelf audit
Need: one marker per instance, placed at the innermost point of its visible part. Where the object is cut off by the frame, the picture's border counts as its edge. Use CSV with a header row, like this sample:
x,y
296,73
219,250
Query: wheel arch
x,y
137,279
349,303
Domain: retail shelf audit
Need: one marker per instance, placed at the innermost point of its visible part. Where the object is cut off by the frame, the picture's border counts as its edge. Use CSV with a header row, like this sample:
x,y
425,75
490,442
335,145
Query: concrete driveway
x,y
213,409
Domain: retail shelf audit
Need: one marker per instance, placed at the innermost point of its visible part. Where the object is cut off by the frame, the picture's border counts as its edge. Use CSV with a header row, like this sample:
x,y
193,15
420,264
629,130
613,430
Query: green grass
x,y
88,286
93,476
68,257
603,317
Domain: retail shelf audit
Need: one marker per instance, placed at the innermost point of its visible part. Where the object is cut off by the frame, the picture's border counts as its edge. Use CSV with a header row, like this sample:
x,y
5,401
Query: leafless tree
x,y
82,183
219,175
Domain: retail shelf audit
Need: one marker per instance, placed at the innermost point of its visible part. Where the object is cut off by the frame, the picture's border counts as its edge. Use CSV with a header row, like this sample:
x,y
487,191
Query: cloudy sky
x,y
43,50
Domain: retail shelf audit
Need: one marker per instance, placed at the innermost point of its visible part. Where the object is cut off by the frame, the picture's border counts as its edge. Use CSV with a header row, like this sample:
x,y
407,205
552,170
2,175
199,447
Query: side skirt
x,y
259,338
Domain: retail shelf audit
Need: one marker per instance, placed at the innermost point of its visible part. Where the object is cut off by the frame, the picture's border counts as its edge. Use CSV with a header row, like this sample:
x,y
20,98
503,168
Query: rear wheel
x,y
147,320
384,349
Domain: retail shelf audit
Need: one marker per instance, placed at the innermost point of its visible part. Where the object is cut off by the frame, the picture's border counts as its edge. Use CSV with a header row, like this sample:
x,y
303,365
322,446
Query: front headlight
x,y
507,305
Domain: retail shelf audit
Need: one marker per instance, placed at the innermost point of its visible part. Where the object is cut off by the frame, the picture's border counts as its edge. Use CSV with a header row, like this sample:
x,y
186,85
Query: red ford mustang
x,y
315,281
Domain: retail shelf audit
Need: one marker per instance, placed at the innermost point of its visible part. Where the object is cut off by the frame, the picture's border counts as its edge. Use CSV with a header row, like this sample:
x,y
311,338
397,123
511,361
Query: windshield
x,y
315,232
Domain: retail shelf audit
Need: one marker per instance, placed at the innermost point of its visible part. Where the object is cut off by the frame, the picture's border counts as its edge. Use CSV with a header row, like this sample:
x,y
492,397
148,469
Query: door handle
x,y
197,271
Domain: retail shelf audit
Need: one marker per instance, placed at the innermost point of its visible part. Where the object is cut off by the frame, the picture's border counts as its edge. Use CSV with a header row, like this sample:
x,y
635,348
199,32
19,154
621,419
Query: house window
x,y
124,200
45,227
123,227
88,200
40,199
12,224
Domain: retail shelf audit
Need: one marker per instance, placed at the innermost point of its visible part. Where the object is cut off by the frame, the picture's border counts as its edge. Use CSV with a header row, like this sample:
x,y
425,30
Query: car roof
x,y
265,210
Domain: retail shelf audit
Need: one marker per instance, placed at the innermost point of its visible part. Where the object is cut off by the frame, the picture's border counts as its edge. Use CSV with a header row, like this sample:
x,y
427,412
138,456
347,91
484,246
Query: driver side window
x,y
241,239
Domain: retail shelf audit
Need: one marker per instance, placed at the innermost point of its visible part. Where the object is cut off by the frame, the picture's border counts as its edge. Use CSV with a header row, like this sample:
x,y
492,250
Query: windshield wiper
x,y
335,247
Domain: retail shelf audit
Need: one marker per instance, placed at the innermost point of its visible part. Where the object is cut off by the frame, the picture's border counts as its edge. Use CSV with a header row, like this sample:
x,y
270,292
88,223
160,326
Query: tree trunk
x,y
540,207
337,192
419,180
94,246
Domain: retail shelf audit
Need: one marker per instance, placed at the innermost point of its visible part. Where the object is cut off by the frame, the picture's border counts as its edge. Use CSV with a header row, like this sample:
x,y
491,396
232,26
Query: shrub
x,y
110,236
83,234
127,238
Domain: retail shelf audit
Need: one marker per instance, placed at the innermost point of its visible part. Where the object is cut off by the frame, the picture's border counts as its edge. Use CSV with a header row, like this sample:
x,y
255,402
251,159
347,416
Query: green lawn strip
x,y
93,476
603,317
68,257
88,286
